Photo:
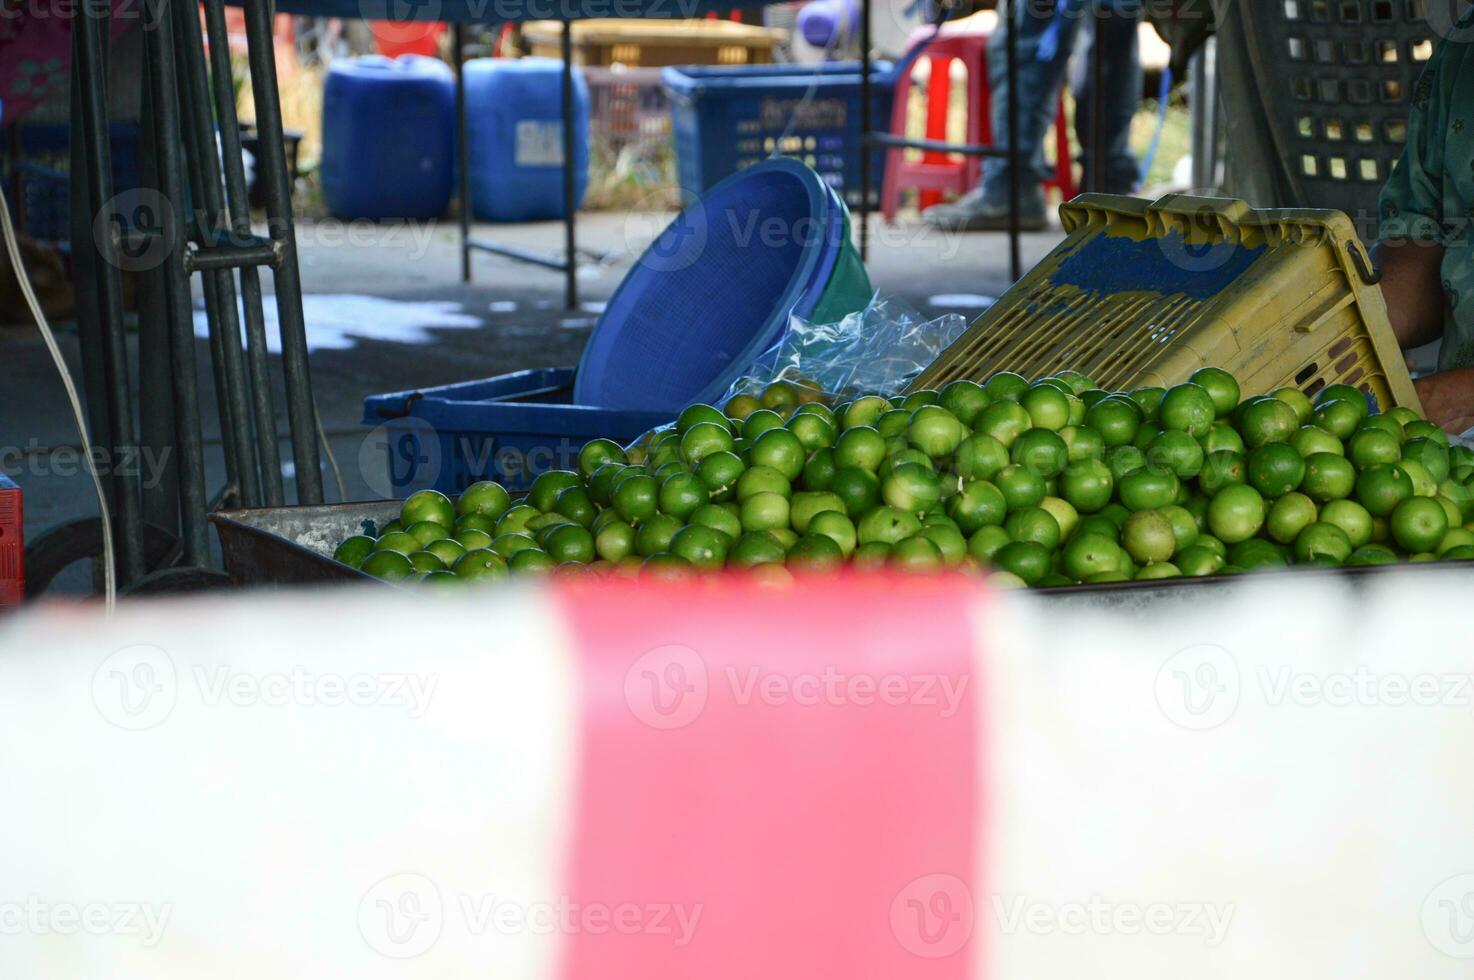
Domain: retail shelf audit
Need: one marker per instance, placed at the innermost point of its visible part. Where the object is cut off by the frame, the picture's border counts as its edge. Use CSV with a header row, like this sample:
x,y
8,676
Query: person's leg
x,y
1121,97
986,207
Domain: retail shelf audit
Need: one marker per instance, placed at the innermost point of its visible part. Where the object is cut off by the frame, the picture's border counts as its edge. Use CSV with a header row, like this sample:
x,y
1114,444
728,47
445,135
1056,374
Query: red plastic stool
x,y
937,172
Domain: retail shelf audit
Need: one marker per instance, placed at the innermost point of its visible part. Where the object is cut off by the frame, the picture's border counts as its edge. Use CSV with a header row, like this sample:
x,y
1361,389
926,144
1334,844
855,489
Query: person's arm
x,y
1413,288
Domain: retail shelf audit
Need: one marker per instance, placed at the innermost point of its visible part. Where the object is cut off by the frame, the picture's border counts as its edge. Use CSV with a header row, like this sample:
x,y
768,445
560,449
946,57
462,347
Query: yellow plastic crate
x,y
1144,293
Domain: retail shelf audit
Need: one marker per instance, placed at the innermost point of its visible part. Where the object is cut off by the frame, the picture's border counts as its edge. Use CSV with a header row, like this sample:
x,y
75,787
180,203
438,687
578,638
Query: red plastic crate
x,y
12,544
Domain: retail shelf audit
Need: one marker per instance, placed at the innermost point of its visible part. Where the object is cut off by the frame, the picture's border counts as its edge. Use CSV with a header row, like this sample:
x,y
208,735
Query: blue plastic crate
x,y
508,429
41,164
727,118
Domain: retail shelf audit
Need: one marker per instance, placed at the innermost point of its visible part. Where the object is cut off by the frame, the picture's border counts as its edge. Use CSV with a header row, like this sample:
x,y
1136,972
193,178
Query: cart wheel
x,y
66,544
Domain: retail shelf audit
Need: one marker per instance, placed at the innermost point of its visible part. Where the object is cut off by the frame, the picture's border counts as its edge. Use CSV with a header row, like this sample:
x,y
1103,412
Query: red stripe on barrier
x,y
775,783
12,544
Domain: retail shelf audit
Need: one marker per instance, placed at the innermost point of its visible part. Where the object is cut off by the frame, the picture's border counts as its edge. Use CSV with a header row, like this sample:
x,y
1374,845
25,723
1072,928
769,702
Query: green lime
x,y
1048,407
1160,570
654,535
1185,529
805,505
480,522
755,548
1276,469
1148,399
1222,469
1029,560
1310,439
718,519
480,563
1221,387
875,554
484,497
1373,447
911,487
472,539
1147,488
614,541
1198,561
509,544
1351,517
759,422
1416,427
597,452
682,494
531,562
694,415
1343,392
1149,537
1328,477
1418,524
762,479
1372,554
1123,460
1188,407
1117,419
984,543
1006,385
1147,434
1063,512
859,489
1033,524
980,457
1381,488
663,566
1176,451
916,553
1236,513
948,540
978,504
838,528
391,527
1079,383
1041,451
1432,454
701,546
814,431
764,512
1288,516
1004,421
575,504
1082,442
1321,540
636,498
901,457
601,483
780,450
1423,483
354,550
1340,417
935,431
1087,485
448,550
864,411
426,561
1455,537
893,424
400,541
1382,423
862,447
1021,487
1264,421
887,524
391,566
739,407
1298,402
1223,438
515,519
913,400
1257,553
719,473
1088,554
964,399
545,489
428,505
705,438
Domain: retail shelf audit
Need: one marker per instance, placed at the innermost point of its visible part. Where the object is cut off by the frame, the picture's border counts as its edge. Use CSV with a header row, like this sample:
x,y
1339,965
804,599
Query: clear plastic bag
x,y
878,350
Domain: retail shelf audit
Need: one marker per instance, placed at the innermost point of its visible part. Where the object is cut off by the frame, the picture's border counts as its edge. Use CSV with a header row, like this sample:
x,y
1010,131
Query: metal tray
x,y
294,545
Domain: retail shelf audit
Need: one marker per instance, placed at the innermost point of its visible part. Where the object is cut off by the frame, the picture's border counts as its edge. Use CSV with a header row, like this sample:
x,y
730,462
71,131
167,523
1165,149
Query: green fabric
x,y
1429,196
848,290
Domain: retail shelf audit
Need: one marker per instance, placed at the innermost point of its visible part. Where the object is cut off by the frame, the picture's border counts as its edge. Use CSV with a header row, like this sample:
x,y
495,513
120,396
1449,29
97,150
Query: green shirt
x,y
1429,196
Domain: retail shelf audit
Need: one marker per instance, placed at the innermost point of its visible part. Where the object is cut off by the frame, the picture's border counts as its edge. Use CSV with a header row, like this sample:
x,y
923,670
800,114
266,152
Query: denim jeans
x,y
1039,85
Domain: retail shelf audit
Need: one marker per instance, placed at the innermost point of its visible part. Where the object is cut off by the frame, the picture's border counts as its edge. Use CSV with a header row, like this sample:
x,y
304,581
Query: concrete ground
x,y
386,310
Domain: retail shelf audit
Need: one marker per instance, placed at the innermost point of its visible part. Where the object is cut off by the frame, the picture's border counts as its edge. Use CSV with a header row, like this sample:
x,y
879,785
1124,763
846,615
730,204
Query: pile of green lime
x,y
1049,483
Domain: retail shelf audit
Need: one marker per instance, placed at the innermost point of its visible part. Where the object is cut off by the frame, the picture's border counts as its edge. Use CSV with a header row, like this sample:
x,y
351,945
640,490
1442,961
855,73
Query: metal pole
x,y
463,189
864,129
1204,73
301,414
92,80
1097,102
1015,178
570,262
219,286
268,448
159,53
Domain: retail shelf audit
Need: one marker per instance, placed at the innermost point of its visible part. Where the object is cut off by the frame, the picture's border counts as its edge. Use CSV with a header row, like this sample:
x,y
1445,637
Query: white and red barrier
x,y
867,777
